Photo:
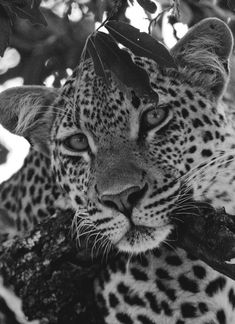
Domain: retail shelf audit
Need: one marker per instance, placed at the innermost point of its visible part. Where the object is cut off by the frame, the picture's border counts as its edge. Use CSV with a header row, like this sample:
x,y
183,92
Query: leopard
x,y
126,165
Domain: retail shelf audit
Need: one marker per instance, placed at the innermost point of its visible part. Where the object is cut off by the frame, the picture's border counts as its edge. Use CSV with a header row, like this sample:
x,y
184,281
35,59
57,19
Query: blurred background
x,y
47,55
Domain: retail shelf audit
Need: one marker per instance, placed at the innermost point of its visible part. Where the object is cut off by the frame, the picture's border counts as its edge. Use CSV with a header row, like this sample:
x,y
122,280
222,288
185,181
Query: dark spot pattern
x,y
203,307
124,318
153,302
163,274
185,113
113,300
166,308
206,153
139,275
199,271
207,136
144,319
216,285
197,123
221,317
173,260
122,288
231,297
201,104
188,284
134,300
188,310
189,94
192,149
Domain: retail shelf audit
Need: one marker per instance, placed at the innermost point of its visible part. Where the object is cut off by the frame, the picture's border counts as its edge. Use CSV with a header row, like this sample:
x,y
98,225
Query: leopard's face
x,y
122,158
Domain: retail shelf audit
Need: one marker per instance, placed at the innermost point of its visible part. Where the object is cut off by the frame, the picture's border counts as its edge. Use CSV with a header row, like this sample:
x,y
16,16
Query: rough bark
x,y
51,274
209,235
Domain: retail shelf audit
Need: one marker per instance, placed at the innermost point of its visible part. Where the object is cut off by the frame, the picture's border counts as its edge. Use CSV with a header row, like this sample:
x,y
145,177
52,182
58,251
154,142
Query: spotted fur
x,y
124,163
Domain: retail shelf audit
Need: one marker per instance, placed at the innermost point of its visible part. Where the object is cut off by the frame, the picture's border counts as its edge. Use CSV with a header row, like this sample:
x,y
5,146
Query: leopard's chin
x,y
140,239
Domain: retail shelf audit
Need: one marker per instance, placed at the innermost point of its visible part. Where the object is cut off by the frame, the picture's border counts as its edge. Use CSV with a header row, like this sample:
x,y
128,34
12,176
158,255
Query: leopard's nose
x,y
125,200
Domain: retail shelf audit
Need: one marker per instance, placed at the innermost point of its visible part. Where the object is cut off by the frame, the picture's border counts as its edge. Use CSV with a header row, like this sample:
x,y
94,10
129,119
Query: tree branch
x,y
52,275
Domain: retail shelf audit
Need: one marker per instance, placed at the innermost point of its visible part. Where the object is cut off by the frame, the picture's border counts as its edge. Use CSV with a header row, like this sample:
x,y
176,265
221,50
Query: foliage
x,y
44,31
24,9
57,46
107,56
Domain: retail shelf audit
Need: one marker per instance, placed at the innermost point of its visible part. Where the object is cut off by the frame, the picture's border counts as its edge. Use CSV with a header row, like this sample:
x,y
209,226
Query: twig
x,y
175,12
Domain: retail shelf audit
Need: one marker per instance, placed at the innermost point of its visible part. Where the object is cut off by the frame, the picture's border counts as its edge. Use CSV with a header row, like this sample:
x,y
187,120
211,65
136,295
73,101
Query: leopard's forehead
x,y
110,109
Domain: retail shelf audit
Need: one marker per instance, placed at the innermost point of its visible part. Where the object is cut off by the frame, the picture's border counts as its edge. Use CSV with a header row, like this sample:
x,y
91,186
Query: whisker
x,y
171,247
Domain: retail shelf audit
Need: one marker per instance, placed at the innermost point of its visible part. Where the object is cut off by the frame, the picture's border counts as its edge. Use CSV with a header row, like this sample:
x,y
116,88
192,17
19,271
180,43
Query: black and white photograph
x,y
117,162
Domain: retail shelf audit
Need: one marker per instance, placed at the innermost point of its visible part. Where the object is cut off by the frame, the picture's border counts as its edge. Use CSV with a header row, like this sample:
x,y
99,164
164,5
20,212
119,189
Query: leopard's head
x,y
120,157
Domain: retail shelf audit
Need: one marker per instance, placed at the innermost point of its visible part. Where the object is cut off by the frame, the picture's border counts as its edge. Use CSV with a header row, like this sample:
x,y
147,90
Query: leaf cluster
x,y
107,56
59,45
25,9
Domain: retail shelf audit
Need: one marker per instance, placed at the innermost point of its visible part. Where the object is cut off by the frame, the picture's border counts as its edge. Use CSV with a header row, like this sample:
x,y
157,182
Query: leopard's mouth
x,y
139,238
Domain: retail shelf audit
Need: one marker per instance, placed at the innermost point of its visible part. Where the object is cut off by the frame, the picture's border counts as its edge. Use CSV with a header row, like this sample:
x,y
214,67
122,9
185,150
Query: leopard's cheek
x,y
72,175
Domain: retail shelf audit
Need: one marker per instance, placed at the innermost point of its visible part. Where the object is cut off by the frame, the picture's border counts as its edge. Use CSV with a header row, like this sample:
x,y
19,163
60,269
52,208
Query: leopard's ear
x,y
27,111
203,55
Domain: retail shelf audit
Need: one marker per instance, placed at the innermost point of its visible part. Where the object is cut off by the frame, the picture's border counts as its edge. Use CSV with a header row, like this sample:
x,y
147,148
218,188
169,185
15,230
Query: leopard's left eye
x,y
154,117
77,142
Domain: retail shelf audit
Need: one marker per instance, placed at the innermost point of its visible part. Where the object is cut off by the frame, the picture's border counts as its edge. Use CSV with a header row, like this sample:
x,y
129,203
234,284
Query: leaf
x,y
25,9
31,12
231,4
148,5
119,62
97,60
5,30
139,43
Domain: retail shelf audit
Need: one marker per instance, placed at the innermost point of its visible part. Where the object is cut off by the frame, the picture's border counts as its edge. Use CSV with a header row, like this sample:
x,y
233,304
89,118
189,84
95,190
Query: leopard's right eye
x,y
154,117
77,143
